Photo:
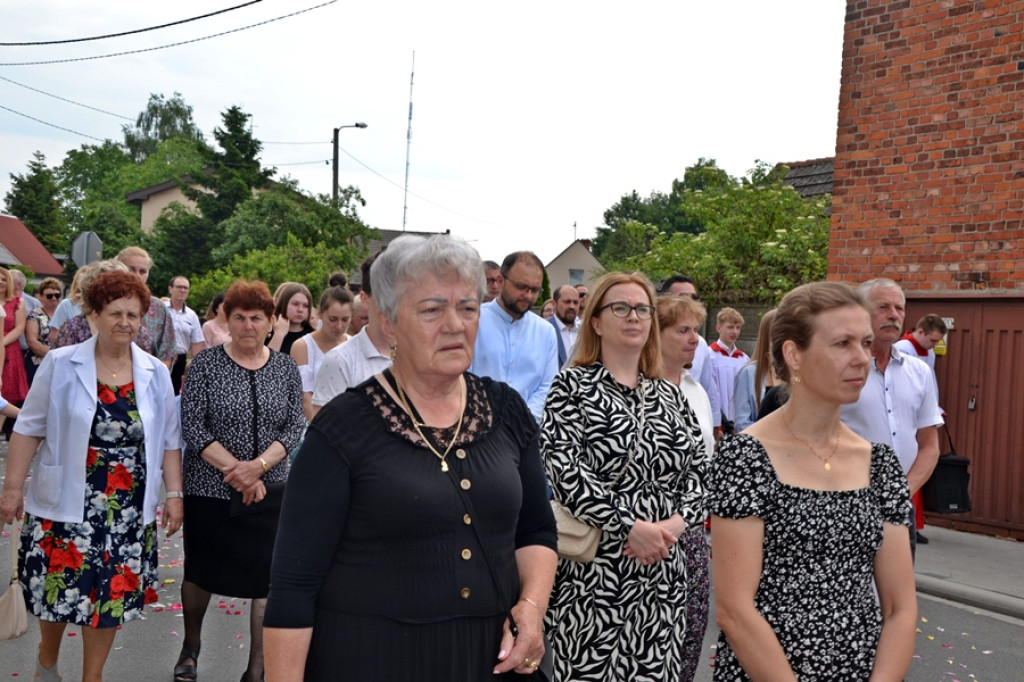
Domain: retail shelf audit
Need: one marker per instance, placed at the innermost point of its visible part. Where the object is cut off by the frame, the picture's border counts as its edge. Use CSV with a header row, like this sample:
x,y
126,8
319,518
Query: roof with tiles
x,y
18,242
810,178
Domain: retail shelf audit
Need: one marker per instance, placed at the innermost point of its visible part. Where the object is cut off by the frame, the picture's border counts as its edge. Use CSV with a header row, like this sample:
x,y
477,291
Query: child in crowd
x,y
726,361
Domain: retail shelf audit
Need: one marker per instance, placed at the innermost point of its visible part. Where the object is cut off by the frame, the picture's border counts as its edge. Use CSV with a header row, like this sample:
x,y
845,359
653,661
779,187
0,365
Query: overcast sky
x,y
528,117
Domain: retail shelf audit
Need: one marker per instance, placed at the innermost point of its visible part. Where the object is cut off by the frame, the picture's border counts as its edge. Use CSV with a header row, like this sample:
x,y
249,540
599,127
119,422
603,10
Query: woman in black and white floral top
x,y
241,408
810,519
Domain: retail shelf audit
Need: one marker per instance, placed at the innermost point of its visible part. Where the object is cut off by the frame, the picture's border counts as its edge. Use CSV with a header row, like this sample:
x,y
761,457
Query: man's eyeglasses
x,y
523,288
51,296
694,296
620,309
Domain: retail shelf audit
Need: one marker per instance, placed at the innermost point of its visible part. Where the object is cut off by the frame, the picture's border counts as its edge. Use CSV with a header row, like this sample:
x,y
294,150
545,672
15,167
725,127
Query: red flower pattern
x,y
105,395
118,479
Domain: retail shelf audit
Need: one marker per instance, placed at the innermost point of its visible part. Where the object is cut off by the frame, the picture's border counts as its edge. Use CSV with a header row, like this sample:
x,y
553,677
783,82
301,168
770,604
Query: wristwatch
x,y
174,493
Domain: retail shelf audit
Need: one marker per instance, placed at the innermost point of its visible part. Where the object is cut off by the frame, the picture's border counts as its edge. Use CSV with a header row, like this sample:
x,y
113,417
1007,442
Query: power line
x,y
301,163
317,142
52,125
432,203
128,33
64,99
162,47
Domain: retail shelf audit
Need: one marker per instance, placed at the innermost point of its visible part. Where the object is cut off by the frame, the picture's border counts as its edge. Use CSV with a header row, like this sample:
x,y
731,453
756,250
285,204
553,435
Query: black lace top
x,y
372,526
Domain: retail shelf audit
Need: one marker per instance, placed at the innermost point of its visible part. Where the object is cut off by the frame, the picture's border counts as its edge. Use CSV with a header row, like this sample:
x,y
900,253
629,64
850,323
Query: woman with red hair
x,y
101,423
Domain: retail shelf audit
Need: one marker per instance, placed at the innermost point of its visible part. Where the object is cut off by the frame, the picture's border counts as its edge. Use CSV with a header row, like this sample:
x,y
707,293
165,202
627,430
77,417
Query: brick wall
x,y
929,169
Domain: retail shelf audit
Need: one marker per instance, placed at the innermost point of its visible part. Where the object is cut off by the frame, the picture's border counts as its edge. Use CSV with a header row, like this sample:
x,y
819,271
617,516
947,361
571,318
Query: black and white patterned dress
x,y
613,618
816,588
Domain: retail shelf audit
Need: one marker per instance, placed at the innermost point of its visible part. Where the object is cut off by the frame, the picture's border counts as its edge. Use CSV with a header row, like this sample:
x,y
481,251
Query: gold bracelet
x,y
264,463
533,603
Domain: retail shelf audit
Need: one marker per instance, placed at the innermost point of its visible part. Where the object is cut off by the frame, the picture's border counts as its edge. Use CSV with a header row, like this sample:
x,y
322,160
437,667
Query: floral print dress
x,y
101,571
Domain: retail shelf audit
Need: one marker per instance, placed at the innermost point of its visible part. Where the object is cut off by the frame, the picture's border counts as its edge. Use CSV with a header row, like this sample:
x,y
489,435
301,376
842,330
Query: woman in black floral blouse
x,y
810,519
241,415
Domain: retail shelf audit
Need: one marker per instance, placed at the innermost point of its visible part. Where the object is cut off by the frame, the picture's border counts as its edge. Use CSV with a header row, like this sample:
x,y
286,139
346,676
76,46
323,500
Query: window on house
x,y
575,277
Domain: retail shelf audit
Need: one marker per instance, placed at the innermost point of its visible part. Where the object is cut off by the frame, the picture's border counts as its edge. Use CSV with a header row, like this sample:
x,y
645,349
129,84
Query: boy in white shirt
x,y
726,361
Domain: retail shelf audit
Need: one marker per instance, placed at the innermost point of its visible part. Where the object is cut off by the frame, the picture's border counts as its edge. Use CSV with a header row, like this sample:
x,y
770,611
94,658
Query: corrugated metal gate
x,y
981,387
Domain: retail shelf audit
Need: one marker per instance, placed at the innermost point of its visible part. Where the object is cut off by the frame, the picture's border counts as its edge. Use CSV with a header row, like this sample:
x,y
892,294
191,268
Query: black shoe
x,y
921,539
186,672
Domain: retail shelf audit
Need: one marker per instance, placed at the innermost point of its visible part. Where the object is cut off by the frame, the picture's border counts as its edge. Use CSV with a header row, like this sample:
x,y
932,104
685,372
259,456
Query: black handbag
x,y
946,491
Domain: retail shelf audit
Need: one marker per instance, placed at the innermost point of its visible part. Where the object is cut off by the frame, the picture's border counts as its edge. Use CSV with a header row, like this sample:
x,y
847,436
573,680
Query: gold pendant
x,y
828,467
444,466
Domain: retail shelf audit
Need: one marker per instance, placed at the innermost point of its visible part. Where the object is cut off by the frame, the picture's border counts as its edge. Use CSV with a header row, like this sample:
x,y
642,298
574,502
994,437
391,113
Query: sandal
x,y
186,672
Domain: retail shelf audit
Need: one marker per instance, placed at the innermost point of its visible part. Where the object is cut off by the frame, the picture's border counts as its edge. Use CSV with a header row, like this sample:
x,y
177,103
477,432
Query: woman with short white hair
x,y
416,540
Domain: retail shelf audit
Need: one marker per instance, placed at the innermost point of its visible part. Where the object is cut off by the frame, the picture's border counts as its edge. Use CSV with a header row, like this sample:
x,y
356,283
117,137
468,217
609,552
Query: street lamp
x,y
334,185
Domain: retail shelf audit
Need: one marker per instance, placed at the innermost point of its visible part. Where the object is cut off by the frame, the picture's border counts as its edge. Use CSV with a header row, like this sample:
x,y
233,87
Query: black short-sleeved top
x,y
372,526
816,588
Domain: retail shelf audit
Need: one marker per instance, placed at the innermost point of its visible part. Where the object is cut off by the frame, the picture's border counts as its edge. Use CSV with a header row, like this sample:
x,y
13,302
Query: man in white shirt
x,y
897,405
701,369
511,345
921,342
566,320
188,330
357,359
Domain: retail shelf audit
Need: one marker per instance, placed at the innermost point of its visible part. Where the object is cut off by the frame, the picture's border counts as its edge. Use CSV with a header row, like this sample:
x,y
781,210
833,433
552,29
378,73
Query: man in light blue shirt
x,y
512,344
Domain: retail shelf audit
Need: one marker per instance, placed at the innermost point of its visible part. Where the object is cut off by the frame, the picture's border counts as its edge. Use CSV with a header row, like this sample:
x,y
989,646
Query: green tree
x,y
291,262
35,199
95,179
162,119
626,242
761,240
184,240
231,173
664,212
271,215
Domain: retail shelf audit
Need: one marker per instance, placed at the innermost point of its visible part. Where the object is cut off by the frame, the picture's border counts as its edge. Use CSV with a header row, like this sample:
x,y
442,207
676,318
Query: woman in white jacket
x,y
101,423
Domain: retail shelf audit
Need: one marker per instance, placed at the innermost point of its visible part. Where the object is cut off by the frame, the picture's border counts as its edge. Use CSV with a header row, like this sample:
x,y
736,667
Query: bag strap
x,y
639,435
14,553
467,503
949,437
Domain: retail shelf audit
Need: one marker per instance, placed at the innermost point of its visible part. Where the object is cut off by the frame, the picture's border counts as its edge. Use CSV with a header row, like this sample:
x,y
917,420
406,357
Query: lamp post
x,y
334,185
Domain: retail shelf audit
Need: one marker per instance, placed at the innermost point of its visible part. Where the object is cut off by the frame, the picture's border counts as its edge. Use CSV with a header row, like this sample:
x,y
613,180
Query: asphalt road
x,y
954,643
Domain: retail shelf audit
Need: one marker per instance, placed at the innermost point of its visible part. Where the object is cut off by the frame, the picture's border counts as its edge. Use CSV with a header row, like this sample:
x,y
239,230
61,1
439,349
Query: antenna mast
x,y
408,144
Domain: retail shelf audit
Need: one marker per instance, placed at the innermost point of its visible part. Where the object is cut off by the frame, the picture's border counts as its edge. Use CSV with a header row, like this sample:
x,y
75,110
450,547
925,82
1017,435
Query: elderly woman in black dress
x,y
241,414
416,517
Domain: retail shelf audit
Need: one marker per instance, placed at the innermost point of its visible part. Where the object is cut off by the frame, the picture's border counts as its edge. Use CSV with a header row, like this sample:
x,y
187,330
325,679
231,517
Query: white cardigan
x,y
60,408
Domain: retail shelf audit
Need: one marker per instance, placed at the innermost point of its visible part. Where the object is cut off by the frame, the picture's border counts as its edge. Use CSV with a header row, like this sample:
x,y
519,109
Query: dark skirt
x,y
228,555
372,648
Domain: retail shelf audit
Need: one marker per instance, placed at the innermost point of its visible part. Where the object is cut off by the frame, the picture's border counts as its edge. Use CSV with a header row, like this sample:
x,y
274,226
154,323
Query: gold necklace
x,y
825,460
110,369
416,425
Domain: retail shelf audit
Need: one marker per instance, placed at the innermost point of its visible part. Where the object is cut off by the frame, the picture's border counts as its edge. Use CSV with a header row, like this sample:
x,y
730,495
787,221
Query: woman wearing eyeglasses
x,y
623,452
37,326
